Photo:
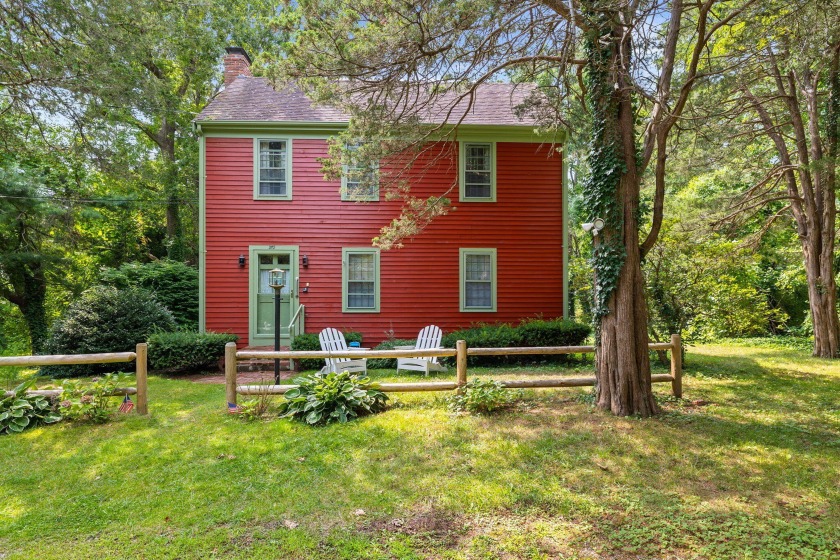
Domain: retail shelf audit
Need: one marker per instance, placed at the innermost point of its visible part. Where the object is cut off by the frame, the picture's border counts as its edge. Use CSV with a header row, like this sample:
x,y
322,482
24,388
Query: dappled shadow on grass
x,y
195,480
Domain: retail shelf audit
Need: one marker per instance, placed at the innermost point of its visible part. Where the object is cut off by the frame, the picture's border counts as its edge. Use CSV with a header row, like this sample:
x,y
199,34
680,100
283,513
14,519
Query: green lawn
x,y
747,466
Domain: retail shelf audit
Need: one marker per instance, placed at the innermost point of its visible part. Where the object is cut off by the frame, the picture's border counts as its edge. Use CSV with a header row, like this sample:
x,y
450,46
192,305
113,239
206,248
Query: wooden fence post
x,y
230,372
142,369
676,365
461,363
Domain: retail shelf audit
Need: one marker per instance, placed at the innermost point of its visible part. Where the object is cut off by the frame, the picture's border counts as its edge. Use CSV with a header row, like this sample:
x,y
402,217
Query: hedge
x,y
187,350
532,332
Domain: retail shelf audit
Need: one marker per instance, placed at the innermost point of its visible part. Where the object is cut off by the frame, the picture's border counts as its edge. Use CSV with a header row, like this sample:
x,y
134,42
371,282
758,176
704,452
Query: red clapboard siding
x,y
419,282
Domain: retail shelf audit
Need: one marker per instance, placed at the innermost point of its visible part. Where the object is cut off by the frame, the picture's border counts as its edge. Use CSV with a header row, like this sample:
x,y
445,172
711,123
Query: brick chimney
x,y
237,62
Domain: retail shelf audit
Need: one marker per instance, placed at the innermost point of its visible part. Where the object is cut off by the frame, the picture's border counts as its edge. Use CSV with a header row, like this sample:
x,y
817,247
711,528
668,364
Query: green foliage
x,y
606,165
310,342
187,350
255,409
105,319
173,283
21,411
388,363
91,402
483,396
334,397
531,332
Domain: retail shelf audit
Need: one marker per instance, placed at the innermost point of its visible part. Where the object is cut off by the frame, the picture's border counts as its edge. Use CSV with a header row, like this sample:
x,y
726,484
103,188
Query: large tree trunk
x,y
822,298
622,359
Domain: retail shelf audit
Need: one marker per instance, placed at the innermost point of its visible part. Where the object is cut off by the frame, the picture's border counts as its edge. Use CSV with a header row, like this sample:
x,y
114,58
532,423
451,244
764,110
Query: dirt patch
x,y
442,527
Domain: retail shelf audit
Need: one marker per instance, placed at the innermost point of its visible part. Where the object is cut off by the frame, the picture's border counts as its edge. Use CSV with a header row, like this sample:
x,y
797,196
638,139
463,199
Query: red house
x,y
498,257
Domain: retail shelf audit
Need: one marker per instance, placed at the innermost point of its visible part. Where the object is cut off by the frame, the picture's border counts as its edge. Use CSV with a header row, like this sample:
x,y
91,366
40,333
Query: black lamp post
x,y
277,280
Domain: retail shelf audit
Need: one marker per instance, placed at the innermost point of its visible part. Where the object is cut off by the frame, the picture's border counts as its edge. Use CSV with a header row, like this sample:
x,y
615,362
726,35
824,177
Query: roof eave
x,y
502,132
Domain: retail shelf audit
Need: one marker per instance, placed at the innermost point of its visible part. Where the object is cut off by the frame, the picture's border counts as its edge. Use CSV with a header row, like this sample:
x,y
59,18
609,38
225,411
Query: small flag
x,y
126,405
233,409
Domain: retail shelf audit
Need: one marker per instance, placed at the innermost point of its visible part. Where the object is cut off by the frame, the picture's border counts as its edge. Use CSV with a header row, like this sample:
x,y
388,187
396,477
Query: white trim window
x,y
359,182
272,168
360,280
477,176
478,279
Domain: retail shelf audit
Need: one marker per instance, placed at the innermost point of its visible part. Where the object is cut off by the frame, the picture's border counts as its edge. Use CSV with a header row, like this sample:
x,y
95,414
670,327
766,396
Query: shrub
x,y
388,363
483,396
91,402
105,319
187,350
310,342
531,332
174,284
334,397
557,332
21,411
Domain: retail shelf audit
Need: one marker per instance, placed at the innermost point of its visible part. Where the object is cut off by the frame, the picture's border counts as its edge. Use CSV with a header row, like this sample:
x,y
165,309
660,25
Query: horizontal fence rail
x,y
139,356
460,352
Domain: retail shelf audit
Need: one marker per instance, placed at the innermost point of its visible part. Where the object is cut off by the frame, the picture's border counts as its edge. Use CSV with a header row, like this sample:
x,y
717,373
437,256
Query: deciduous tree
x,y
389,63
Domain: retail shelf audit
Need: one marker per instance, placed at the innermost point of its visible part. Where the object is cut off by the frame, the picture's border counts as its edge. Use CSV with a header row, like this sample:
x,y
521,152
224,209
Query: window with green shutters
x,y
360,280
478,279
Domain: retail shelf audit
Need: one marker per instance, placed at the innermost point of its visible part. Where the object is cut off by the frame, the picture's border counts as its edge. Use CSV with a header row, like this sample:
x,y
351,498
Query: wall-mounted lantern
x,y
241,261
305,261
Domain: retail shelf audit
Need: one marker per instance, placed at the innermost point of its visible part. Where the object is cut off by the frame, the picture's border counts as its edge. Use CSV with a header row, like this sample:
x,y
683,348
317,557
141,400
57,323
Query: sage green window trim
x,y
287,176
490,169
481,281
350,189
353,288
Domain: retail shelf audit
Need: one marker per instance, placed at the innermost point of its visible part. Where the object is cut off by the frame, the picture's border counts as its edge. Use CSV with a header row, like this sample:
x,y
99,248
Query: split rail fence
x,y
139,356
460,352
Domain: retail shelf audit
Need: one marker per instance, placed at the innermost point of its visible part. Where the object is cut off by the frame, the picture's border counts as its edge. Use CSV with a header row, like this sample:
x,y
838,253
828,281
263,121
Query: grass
x,y
746,466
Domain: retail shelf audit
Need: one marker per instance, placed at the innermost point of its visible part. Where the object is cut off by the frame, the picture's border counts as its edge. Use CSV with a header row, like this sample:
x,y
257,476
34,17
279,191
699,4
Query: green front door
x,y
264,332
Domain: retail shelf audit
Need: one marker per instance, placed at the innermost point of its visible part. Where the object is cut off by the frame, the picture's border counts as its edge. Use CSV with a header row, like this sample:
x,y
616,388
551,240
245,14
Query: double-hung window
x,y
360,279
478,279
272,168
477,172
359,181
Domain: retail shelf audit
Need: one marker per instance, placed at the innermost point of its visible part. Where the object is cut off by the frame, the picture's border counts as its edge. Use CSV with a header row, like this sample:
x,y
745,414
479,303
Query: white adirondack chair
x,y
429,338
333,341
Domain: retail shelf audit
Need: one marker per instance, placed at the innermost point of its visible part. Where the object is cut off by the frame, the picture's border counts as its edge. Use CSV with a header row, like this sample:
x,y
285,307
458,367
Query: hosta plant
x,y
334,397
21,411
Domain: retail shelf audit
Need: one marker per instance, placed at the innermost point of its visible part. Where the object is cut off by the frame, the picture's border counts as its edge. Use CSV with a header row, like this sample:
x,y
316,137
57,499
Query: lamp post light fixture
x,y
277,280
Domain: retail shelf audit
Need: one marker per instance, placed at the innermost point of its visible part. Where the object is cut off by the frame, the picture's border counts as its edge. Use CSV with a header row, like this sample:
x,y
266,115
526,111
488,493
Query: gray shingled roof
x,y
254,99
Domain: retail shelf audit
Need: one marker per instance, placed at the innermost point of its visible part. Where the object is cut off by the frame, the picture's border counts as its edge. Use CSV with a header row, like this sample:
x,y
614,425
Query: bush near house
x,y
105,319
530,332
174,284
310,342
187,350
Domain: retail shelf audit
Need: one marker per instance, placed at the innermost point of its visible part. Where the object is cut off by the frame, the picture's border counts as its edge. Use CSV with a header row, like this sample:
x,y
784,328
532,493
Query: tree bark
x,y
622,359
